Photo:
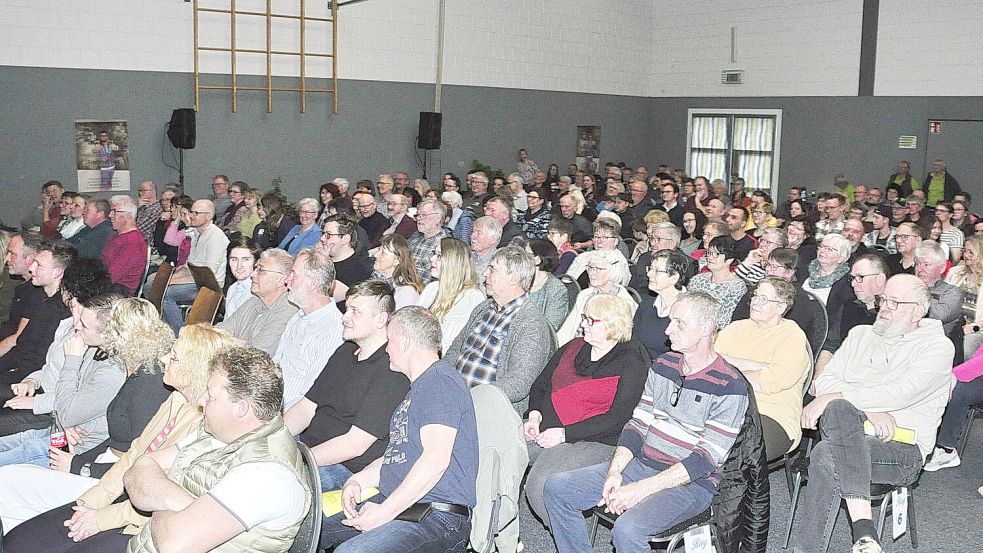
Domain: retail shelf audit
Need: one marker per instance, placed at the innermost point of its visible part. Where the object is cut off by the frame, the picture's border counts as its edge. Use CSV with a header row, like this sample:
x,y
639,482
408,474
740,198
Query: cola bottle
x,y
58,437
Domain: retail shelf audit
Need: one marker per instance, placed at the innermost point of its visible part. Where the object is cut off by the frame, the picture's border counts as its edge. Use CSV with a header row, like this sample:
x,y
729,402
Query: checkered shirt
x,y
483,347
422,249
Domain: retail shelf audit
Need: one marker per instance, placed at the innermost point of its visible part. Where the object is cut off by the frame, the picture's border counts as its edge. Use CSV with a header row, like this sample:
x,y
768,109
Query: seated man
x,y
947,299
344,417
91,240
431,460
26,297
430,231
507,340
661,236
351,263
125,253
314,332
237,482
261,320
896,373
484,242
668,463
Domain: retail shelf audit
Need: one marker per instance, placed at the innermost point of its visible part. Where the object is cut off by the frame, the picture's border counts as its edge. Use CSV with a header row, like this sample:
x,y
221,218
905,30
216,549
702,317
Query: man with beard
x,y
896,373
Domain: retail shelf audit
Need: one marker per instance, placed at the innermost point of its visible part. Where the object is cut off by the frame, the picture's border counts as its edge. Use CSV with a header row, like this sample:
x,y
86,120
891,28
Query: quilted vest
x,y
198,468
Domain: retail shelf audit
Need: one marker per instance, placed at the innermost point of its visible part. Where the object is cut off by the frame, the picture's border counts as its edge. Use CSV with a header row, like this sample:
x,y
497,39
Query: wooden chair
x,y
138,293
157,289
205,307
204,277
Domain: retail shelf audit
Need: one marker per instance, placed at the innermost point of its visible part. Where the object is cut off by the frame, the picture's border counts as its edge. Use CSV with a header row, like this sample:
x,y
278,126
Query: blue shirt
x,y
295,240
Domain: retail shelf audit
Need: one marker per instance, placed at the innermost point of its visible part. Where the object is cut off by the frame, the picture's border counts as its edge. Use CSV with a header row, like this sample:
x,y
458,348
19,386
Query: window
x,y
723,143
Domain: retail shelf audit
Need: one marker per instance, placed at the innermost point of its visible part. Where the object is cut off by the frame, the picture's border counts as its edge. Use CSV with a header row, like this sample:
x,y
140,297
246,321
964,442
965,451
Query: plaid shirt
x,y
147,217
536,225
422,249
479,354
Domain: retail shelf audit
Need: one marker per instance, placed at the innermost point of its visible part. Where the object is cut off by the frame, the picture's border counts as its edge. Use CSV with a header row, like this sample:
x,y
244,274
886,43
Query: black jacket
x,y
950,188
741,508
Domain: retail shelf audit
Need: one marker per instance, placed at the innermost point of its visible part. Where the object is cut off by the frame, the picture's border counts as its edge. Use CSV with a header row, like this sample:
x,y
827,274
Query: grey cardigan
x,y
529,345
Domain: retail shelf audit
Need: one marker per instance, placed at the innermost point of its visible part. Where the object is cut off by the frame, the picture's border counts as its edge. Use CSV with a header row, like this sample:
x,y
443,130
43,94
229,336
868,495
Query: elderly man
x,y
905,179
373,222
496,345
478,186
384,189
668,463
908,237
484,241
90,241
882,237
661,236
947,299
854,232
500,209
581,233
402,224
894,374
430,217
148,210
220,197
208,249
940,185
26,298
606,237
238,482
125,254
431,463
314,332
868,276
261,320
352,265
641,200
345,432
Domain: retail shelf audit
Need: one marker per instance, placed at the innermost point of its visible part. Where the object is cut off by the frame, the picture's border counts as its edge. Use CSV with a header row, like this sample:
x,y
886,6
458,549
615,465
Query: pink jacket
x,y
970,369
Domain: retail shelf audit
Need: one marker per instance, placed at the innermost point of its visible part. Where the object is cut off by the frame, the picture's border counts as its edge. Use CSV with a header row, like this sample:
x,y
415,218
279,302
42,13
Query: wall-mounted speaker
x,y
428,137
181,129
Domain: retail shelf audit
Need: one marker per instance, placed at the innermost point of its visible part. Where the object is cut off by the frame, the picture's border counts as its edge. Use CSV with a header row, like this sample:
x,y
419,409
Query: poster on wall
x,y
588,148
103,155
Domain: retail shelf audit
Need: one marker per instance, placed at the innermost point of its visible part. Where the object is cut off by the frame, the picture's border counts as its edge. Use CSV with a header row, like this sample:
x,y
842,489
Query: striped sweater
x,y
699,431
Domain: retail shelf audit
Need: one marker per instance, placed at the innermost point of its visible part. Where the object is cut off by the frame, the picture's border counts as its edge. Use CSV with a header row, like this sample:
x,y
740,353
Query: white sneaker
x,y
980,490
867,545
520,547
941,459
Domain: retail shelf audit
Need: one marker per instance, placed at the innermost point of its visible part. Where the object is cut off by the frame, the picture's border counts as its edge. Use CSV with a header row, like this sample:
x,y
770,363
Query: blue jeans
x,y
27,447
843,465
568,494
964,397
439,532
175,293
333,477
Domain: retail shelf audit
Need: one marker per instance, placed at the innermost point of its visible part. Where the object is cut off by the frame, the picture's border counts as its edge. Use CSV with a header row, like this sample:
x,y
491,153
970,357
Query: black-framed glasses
x,y
893,304
196,213
591,321
860,278
674,396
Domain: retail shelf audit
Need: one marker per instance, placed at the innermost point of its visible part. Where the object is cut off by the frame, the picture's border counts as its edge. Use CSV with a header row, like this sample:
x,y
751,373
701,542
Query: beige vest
x,y
198,468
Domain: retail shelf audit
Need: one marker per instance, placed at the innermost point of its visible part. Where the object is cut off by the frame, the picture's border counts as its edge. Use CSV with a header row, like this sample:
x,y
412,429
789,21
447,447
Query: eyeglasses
x,y
590,321
860,278
262,270
827,248
769,242
594,268
893,304
903,236
661,239
363,206
711,253
759,298
674,397
601,237
196,213
325,233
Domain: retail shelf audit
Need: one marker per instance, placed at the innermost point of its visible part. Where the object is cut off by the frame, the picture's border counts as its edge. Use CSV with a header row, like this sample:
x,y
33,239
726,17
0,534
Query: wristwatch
x,y
85,470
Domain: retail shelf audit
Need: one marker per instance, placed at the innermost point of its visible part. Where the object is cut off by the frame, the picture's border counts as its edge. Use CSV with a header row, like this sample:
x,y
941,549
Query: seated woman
x,y
306,234
752,269
608,274
394,264
170,239
559,234
454,292
99,520
547,292
773,353
667,275
250,218
137,336
720,282
831,265
693,222
243,254
581,401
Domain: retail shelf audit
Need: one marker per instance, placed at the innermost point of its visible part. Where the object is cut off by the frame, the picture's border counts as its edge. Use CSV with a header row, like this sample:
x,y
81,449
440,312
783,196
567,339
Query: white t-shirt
x,y
257,493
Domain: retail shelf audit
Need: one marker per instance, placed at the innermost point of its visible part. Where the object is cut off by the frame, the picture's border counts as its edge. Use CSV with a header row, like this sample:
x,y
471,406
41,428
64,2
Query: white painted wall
x,y
930,48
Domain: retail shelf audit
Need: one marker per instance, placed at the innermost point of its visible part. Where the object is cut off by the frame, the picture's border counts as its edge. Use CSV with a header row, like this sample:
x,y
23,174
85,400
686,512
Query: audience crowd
x,y
650,330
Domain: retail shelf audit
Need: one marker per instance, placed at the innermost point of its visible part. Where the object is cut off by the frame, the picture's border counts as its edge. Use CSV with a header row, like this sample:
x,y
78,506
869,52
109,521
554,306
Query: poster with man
x,y
103,157
588,148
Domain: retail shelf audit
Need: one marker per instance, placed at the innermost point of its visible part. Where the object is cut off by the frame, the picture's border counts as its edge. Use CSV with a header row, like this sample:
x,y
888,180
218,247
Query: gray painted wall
x,y
376,128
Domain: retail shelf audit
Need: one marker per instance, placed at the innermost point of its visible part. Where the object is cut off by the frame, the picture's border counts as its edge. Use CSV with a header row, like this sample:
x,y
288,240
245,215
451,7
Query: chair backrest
x,y
205,307
634,295
573,290
157,289
821,331
310,530
146,273
812,370
204,277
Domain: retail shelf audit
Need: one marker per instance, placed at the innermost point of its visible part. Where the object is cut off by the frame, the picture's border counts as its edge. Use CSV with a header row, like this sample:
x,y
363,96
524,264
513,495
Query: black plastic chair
x,y
670,537
573,289
309,533
819,340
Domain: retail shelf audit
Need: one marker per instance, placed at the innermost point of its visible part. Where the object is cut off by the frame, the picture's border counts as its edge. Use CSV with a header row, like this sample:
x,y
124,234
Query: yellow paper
x,y
901,434
331,501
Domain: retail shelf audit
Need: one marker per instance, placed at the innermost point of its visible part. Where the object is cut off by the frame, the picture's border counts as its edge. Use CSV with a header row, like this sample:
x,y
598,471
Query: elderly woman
x,y
667,274
394,264
719,281
801,234
243,254
559,235
137,337
547,292
461,220
752,269
773,353
454,292
607,273
831,264
584,396
968,276
305,235
98,520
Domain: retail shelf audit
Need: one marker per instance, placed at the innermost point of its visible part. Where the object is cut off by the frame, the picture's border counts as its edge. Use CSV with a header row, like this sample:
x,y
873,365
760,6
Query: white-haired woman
x,y
608,273
461,220
829,266
307,233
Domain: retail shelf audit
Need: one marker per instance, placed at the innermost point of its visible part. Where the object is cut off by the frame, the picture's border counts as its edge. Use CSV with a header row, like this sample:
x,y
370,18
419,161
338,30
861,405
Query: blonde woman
x,y
136,337
394,264
968,276
454,292
96,519
251,218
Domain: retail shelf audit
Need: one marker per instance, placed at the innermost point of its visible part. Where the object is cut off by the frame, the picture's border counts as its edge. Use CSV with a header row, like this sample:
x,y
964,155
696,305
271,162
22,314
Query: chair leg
x,y
912,532
967,429
882,515
594,519
796,487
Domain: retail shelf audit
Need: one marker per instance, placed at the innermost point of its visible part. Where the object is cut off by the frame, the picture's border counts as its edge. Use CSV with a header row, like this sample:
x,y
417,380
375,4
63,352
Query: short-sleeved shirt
x,y
32,345
353,269
349,392
438,396
27,299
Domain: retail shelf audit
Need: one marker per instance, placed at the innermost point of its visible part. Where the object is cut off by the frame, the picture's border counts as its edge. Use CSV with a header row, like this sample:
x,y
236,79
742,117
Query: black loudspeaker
x,y
428,137
181,129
